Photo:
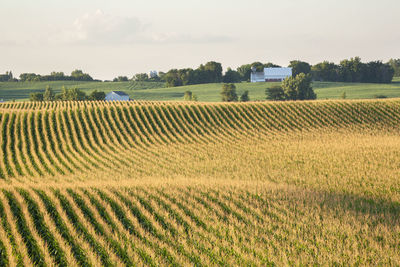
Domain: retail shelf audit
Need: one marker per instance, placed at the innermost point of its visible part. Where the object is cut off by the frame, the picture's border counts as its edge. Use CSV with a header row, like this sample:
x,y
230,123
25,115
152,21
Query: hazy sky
x,y
121,37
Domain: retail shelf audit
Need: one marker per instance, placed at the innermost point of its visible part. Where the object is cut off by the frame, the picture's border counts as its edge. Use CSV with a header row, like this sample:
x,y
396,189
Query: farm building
x,y
117,96
270,75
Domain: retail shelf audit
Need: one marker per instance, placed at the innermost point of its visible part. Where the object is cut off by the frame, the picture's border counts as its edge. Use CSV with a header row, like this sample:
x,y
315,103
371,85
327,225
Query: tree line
x,y
348,70
67,94
76,75
292,88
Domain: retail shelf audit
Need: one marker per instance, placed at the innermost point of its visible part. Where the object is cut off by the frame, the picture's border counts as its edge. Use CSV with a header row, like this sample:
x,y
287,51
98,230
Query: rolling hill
x,y
206,92
205,184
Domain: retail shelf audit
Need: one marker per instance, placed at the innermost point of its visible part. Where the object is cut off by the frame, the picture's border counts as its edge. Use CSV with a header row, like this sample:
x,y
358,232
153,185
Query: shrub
x,y
229,92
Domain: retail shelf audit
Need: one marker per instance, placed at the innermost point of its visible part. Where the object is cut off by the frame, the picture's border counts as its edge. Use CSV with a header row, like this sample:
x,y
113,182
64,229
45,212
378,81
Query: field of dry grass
x,y
158,183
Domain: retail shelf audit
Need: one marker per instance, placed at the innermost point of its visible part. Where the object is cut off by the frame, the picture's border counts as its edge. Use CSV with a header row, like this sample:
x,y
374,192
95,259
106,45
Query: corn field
x,y
205,184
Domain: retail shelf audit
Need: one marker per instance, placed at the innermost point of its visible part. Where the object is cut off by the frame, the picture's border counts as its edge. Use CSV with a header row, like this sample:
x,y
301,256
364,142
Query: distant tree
x,y
271,65
258,66
186,76
298,88
161,76
229,92
36,97
48,94
244,97
97,95
172,78
244,72
58,76
29,77
121,79
78,75
73,94
7,77
395,64
344,95
76,94
213,70
325,71
299,67
275,93
189,96
231,76
141,77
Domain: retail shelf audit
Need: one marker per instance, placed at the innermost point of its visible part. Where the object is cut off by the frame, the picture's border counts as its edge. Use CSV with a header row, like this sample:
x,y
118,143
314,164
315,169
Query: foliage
x,y
353,70
48,94
395,64
325,71
299,67
275,93
97,95
211,72
228,92
231,76
189,96
121,79
73,94
244,97
76,75
7,77
298,88
36,97
141,77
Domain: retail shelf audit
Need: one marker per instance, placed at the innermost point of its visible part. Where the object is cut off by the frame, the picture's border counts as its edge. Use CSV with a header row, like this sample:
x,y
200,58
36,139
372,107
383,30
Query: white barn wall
x,y
271,74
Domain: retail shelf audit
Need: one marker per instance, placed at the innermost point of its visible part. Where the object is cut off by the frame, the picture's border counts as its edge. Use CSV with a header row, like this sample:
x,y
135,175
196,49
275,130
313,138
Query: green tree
x,y
298,88
244,71
299,67
76,94
395,63
141,77
244,97
275,93
121,79
71,94
231,76
229,92
172,78
214,71
78,75
48,95
325,71
97,95
188,96
36,97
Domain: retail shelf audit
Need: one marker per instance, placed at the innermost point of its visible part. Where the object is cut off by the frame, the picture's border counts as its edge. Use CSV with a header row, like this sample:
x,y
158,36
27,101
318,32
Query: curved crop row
x,y
61,138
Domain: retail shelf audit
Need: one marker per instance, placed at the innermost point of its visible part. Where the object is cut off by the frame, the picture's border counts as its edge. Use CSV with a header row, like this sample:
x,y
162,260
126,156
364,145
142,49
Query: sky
x,y
122,37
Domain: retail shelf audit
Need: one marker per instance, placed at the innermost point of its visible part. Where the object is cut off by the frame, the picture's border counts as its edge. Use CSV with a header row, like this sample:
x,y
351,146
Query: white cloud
x,y
99,28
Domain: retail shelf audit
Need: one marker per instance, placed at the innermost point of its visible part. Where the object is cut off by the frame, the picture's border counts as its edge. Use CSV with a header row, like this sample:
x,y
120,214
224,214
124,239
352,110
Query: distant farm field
x,y
205,92
205,184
